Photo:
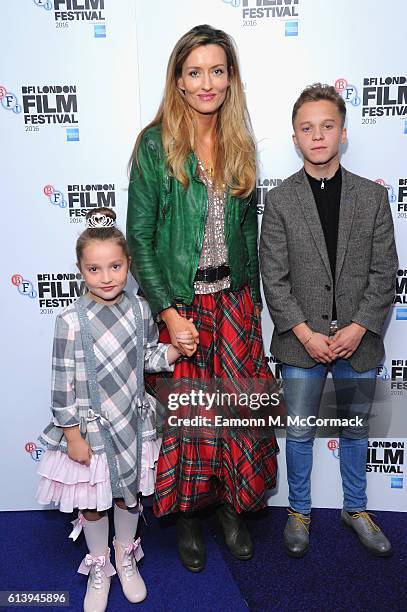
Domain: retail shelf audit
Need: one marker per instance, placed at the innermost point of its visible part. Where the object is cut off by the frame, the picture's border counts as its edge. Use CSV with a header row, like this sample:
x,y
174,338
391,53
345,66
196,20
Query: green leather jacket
x,y
165,229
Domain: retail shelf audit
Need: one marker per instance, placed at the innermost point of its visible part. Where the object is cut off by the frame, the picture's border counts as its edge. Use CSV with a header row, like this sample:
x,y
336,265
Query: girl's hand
x,y
174,353
80,451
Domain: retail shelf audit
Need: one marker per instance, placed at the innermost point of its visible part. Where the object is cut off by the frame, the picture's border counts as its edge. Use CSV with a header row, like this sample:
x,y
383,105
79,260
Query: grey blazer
x,y
297,279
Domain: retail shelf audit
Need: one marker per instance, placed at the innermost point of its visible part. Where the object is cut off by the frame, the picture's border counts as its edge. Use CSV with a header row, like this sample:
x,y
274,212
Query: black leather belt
x,y
211,275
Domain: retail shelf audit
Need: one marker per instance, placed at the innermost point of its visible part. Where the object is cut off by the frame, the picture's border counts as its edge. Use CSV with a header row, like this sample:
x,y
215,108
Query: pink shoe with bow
x,y
99,569
126,556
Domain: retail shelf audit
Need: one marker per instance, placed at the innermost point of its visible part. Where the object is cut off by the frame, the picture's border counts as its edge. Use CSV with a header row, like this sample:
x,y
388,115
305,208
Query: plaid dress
x,y
193,472
114,336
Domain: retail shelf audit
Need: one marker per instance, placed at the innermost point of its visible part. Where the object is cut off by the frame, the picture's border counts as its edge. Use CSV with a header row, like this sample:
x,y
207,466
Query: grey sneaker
x,y
296,534
370,534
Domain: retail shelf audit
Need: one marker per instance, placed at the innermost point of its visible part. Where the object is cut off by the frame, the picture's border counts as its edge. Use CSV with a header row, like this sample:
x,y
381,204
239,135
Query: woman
x,y
192,231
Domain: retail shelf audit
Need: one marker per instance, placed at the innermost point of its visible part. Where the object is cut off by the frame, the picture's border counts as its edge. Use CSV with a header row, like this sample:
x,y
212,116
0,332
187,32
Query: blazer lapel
x,y
310,211
346,212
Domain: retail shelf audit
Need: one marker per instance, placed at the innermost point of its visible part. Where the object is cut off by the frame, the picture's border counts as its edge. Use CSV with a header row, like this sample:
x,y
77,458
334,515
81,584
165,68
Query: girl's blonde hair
x,y
235,155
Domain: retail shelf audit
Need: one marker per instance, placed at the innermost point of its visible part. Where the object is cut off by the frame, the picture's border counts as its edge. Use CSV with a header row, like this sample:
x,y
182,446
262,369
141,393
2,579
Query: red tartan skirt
x,y
193,472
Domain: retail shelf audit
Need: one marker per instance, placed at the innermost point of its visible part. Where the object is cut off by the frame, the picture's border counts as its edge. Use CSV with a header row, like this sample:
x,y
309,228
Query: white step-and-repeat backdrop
x,y
78,80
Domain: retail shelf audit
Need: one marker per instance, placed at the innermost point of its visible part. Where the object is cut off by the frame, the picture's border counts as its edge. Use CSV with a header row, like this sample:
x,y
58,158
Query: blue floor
x,y
337,573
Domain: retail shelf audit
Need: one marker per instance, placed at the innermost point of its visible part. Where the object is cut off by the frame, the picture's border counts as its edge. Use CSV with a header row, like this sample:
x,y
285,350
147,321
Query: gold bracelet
x,y
308,339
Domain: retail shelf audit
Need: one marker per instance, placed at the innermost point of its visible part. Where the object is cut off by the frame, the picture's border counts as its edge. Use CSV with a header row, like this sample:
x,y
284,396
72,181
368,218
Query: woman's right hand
x,y
80,451
176,324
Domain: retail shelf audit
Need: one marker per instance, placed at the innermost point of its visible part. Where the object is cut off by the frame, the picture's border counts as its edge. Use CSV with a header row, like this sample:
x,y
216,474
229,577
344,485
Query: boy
x,y
329,262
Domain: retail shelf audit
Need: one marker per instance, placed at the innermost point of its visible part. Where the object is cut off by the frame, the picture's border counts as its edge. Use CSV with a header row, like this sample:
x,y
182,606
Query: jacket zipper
x,y
168,193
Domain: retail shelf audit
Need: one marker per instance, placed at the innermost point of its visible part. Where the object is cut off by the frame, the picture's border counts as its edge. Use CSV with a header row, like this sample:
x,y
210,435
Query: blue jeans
x,y
354,393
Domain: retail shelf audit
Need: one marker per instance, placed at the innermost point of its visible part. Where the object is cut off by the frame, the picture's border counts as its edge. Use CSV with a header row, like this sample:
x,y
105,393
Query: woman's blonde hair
x,y
235,156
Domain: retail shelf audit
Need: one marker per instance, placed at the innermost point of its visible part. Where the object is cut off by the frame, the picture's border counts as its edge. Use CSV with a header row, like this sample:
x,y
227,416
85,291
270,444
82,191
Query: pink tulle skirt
x,y
69,484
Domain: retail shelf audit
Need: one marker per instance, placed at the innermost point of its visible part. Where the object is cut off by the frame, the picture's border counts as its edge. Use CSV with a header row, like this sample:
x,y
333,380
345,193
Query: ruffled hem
x,y
69,484
149,458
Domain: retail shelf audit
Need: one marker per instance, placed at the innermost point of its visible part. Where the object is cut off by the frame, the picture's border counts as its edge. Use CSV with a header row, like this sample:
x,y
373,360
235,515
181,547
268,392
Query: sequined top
x,y
214,251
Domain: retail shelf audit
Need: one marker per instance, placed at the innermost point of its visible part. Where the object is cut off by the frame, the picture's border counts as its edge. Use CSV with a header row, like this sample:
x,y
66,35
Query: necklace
x,y
207,156
209,171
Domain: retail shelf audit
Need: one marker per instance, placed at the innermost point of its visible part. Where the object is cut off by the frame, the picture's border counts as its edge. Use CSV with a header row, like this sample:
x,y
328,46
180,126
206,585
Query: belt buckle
x,y
208,275
333,328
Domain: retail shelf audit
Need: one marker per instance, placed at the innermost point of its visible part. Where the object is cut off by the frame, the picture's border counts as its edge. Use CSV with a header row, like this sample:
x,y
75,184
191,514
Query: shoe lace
x,y
128,564
300,519
95,565
367,517
96,577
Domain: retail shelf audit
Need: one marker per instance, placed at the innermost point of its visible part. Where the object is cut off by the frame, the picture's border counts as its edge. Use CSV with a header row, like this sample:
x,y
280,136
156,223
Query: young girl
x,y
102,441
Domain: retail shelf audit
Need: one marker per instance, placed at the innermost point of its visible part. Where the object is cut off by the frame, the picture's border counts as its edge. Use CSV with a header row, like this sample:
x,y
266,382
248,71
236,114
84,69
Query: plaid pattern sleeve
x,y
63,398
155,353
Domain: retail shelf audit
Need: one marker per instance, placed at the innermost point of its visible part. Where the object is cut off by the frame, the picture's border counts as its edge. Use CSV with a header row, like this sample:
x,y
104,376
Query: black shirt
x,y
327,195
